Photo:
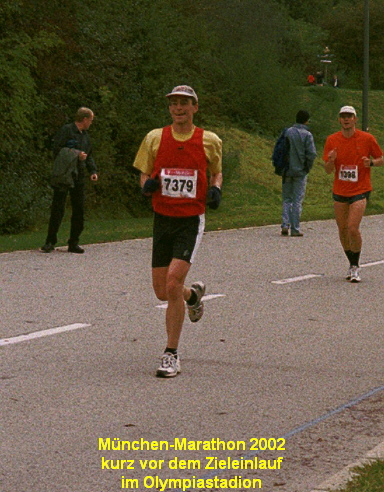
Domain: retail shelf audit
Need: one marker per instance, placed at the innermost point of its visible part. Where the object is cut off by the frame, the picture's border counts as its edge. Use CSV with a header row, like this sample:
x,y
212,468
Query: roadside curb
x,y
341,478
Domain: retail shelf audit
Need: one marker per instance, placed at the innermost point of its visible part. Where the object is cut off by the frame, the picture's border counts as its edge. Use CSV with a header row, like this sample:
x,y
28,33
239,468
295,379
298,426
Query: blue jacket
x,y
302,150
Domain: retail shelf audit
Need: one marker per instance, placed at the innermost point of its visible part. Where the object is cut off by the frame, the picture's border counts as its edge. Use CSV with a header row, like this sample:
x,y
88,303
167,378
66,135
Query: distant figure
x,y
335,82
319,78
302,153
350,154
311,79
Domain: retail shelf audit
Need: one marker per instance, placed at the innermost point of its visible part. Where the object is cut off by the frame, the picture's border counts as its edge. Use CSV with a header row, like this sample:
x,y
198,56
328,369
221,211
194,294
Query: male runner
x,y
173,162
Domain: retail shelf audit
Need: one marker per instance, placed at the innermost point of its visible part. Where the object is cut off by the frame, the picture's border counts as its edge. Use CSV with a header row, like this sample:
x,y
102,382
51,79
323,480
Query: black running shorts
x,y
176,237
351,199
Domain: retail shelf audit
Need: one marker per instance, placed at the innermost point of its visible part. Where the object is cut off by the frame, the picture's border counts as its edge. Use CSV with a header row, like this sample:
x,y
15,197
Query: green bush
x,y
24,197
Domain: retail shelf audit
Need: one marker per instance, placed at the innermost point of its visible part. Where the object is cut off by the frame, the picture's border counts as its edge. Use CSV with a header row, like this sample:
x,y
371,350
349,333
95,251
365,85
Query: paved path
x,y
286,348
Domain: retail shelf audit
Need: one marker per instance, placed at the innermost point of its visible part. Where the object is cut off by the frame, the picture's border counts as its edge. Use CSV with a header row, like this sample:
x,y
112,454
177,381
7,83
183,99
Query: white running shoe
x,y
169,367
355,277
348,277
196,311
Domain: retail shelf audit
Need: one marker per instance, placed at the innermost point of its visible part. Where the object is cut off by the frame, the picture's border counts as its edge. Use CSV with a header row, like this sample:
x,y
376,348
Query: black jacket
x,y
70,136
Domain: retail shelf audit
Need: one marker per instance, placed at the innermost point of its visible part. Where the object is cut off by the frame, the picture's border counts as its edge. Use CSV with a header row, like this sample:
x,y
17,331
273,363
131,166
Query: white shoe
x,y
169,367
348,277
196,311
355,277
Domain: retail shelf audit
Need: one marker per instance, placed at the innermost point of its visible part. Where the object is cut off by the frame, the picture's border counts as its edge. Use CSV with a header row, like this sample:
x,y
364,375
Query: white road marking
x,y
372,263
314,275
42,333
297,279
205,298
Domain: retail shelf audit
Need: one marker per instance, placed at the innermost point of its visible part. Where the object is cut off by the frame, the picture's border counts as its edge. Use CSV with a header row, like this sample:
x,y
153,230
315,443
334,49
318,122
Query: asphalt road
x,y
287,349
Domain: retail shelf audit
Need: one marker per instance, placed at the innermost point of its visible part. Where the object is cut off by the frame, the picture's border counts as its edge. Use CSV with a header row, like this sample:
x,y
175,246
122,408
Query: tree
x,y
347,40
21,107
309,12
254,88
120,58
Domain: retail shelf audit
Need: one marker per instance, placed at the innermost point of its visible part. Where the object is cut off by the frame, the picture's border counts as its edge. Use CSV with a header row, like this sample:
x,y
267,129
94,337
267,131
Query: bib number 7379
x,y
179,183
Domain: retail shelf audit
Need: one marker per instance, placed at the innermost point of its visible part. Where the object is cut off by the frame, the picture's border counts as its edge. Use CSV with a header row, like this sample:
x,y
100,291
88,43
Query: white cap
x,y
183,90
348,109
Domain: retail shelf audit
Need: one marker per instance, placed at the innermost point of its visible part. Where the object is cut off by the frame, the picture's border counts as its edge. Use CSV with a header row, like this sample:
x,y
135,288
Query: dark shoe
x,y
284,231
47,248
75,248
297,234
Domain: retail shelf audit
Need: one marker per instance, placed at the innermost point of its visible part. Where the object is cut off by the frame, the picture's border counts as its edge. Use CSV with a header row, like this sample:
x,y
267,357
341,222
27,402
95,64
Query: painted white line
x,y
42,333
372,263
314,275
205,298
212,296
297,279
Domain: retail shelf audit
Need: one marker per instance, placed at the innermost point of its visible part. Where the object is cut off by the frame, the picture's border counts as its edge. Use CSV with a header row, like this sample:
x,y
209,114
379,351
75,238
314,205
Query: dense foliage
x,y
243,57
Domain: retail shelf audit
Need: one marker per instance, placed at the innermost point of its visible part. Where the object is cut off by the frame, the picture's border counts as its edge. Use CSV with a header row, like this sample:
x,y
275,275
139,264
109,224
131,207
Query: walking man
x,y
71,136
173,162
302,153
350,154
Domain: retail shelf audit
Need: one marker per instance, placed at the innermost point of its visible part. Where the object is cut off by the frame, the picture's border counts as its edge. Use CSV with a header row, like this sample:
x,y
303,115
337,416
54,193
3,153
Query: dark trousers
x,y
58,209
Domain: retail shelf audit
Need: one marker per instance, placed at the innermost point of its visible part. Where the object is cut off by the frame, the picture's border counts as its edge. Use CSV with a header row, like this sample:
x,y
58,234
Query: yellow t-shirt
x,y
147,152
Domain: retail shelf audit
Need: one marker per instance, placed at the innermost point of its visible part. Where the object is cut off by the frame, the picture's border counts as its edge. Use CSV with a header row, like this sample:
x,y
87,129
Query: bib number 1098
x,y
348,173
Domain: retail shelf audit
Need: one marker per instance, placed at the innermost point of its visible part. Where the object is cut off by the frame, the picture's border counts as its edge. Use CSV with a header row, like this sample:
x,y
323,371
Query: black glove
x,y
150,186
214,197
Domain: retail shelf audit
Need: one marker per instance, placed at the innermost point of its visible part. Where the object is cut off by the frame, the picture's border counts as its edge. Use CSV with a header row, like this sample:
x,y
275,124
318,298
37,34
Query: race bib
x,y
179,183
349,173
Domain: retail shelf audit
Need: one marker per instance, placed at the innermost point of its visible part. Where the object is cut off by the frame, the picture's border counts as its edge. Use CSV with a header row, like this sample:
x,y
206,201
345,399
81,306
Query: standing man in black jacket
x,y
73,135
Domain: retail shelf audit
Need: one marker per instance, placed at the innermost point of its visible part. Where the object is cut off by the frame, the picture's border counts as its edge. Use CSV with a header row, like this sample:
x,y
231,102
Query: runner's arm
x,y
373,162
216,180
143,179
329,161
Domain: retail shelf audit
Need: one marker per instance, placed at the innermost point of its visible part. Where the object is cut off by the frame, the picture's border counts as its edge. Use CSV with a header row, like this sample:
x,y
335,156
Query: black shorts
x,y
176,237
351,199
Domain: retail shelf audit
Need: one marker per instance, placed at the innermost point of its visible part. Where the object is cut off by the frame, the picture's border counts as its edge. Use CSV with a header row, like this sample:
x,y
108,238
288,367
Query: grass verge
x,y
369,478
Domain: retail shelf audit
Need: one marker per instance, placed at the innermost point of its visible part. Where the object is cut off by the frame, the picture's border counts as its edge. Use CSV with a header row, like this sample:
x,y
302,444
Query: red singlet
x,y
182,170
